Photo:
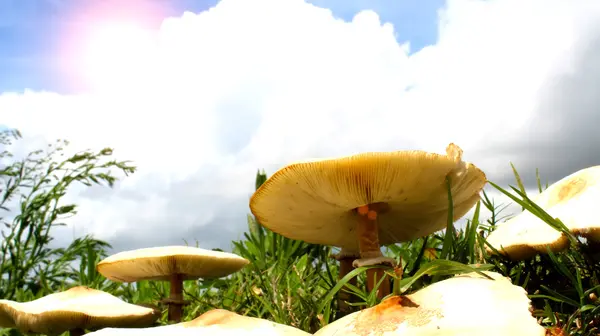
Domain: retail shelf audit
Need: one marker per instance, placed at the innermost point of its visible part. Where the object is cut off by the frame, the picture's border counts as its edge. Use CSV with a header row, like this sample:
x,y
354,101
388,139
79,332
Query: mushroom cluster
x,y
357,203
80,308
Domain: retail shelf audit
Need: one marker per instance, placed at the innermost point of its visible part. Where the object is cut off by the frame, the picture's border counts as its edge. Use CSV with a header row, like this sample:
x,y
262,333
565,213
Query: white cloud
x,y
257,84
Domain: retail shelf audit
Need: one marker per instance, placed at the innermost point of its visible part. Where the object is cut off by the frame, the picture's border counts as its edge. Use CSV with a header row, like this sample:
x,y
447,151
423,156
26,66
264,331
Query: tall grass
x,y
287,281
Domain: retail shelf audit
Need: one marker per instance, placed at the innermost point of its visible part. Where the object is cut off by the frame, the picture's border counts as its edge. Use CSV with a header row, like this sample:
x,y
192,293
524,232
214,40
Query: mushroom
x,y
467,304
524,236
170,263
75,310
214,322
363,201
573,200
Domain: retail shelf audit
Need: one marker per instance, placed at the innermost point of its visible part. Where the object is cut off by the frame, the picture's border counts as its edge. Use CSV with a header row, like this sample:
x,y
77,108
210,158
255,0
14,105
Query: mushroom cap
x,y
573,200
215,322
524,236
314,200
467,304
78,307
159,263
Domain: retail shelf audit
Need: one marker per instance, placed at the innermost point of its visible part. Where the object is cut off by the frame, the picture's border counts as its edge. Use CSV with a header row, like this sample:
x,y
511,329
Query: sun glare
x,y
117,55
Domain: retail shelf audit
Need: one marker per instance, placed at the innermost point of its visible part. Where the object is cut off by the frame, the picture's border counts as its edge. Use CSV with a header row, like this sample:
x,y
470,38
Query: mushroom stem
x,y
77,332
346,267
368,243
176,298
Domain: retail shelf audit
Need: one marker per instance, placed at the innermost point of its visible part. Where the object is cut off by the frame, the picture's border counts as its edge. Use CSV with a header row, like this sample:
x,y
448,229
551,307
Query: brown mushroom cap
x,y
467,304
77,308
215,322
314,201
573,200
159,263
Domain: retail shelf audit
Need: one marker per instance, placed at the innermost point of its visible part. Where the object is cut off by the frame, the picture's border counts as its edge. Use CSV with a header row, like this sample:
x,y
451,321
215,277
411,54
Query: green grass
x,y
287,281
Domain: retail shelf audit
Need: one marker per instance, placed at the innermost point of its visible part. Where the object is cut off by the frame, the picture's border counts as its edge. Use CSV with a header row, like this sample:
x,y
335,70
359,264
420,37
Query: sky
x,y
201,94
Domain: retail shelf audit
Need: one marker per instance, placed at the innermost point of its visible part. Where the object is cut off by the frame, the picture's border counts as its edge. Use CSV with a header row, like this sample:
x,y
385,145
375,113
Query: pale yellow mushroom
x,y
74,310
218,322
464,305
363,201
170,263
574,200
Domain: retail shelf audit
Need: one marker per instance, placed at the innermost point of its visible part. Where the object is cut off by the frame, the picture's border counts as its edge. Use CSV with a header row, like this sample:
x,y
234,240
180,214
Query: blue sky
x,y
30,31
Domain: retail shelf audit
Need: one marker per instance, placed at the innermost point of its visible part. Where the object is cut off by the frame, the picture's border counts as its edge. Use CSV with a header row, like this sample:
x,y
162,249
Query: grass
x,y
287,281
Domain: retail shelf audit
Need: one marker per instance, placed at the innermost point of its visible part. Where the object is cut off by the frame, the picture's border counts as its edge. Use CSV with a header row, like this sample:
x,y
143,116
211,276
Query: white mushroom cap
x,y
77,308
217,322
573,200
314,201
464,305
159,263
524,236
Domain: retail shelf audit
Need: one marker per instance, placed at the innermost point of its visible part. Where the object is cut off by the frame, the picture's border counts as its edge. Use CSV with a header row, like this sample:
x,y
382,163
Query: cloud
x,y
258,84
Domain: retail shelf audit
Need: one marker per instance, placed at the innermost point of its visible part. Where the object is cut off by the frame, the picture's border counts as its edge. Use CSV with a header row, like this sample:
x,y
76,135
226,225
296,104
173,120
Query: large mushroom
x,y
75,310
363,201
215,322
170,263
573,200
468,304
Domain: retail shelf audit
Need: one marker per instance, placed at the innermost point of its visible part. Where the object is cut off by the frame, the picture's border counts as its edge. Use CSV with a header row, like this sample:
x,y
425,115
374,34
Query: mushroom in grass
x,y
464,305
170,263
363,201
218,322
74,310
573,200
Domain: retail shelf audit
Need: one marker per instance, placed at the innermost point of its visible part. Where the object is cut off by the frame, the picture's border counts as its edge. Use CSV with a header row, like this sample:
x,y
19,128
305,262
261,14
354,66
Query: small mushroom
x,y
170,263
467,304
214,322
573,200
75,310
363,201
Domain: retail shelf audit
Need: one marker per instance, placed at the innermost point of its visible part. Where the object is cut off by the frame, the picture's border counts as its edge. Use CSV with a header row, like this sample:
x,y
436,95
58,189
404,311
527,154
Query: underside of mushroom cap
x,y
572,199
77,308
159,263
214,322
314,201
468,304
